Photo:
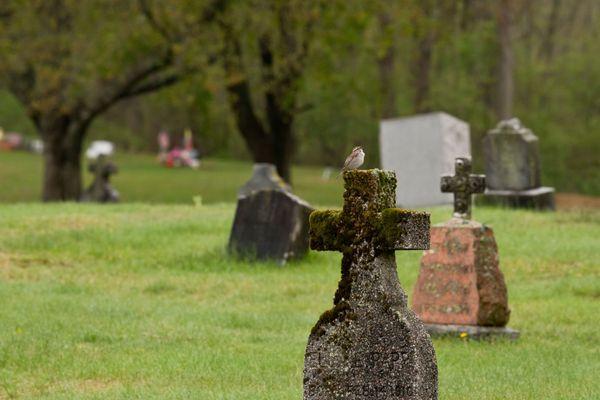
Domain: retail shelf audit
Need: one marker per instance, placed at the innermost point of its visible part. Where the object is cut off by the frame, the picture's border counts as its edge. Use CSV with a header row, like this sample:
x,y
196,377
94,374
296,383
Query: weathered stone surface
x,y
264,177
512,164
472,332
460,281
512,159
420,149
270,224
101,191
463,184
370,345
541,198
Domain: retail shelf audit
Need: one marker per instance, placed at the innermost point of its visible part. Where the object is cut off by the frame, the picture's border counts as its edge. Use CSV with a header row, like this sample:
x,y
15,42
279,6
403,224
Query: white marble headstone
x,y
420,149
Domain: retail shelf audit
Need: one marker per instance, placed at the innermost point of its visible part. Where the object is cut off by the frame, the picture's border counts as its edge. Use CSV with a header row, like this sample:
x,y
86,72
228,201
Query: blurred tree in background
x,y
67,62
281,80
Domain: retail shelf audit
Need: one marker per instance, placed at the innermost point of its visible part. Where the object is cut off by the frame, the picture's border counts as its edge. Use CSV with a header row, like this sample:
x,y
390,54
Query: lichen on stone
x,y
337,312
370,335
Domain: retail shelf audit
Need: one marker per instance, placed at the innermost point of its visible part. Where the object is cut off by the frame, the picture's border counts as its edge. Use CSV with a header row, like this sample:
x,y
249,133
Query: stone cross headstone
x,y
512,167
420,149
101,191
460,289
270,225
370,345
463,184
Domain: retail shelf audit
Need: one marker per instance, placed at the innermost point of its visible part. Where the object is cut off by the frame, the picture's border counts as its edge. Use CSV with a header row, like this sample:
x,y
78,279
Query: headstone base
x,y
471,331
541,198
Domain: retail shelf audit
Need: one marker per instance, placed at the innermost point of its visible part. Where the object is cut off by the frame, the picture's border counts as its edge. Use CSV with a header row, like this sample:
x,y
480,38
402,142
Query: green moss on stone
x,y
323,229
369,218
337,312
374,186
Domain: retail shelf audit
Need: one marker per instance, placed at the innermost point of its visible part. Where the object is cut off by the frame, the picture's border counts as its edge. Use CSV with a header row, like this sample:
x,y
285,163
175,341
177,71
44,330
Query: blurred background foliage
x,y
366,61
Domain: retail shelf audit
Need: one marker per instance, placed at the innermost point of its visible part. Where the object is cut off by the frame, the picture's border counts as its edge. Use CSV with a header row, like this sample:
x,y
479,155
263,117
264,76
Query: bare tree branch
x,y
153,22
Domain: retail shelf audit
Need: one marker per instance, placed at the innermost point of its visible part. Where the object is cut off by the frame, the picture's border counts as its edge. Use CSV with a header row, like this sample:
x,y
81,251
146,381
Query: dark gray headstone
x,y
512,164
370,345
270,224
101,191
512,159
264,177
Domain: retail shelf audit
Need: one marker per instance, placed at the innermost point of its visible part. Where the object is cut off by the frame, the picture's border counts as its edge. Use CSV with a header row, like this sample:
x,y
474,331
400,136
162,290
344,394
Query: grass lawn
x,y
141,179
140,301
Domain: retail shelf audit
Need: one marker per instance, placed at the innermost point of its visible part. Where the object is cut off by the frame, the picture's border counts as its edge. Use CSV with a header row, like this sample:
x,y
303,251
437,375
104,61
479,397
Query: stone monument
x,y
512,166
370,345
264,176
460,290
270,222
419,149
101,191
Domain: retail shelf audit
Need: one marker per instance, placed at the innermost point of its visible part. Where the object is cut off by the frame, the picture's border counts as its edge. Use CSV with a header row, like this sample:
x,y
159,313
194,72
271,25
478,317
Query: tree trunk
x,y
421,70
280,123
549,36
62,162
504,108
385,65
425,37
250,127
284,146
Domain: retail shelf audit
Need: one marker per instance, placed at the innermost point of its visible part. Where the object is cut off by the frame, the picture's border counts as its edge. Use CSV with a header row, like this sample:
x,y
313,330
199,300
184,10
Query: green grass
x,y
140,301
141,179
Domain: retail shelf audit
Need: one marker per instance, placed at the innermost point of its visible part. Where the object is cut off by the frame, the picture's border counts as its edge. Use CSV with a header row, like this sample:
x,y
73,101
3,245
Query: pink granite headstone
x,y
460,288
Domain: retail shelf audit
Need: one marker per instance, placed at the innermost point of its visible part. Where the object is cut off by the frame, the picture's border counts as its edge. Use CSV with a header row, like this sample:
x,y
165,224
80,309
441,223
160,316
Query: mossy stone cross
x,y
369,220
463,184
370,344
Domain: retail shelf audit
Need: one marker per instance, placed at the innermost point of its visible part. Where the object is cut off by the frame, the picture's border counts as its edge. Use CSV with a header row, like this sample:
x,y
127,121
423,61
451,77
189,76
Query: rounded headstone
x,y
264,177
512,160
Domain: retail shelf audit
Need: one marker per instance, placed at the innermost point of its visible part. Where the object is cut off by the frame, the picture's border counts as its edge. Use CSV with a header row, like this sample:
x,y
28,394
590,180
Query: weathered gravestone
x,y
264,176
420,149
370,345
512,166
270,223
460,289
100,190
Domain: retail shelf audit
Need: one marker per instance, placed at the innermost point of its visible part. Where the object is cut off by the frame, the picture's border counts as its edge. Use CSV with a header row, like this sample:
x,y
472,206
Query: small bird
x,y
354,160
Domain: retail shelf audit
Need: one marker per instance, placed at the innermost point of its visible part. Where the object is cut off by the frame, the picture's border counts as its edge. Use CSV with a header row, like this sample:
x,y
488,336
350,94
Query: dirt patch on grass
x,y
85,386
10,261
67,222
569,201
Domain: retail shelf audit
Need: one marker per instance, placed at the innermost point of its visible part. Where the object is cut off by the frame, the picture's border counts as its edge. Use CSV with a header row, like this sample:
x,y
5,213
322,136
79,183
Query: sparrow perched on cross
x,y
354,160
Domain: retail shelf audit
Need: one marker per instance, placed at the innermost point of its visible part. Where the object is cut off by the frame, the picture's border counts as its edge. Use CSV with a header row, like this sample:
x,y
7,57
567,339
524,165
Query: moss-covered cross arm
x,y
369,219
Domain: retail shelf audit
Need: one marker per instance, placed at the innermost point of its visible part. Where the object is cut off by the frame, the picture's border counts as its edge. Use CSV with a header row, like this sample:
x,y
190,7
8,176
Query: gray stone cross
x,y
101,190
370,345
463,184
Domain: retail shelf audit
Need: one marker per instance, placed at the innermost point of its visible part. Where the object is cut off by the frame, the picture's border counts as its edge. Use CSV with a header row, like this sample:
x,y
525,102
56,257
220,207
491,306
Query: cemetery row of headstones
x,y
371,344
421,148
272,223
